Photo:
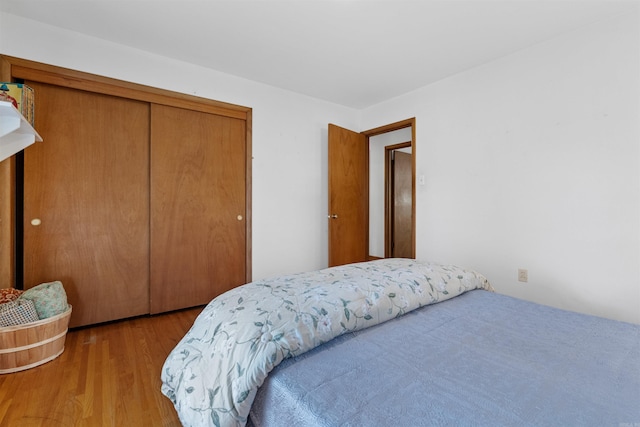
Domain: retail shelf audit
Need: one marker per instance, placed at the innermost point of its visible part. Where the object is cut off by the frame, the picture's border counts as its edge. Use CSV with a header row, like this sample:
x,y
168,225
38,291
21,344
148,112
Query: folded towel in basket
x,y
50,299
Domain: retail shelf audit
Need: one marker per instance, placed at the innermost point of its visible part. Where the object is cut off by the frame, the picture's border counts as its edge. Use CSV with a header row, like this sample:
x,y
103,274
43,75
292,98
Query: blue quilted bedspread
x,y
479,359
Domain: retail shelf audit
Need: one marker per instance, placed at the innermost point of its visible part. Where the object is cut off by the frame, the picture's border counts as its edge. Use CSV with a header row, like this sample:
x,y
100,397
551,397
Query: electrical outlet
x,y
523,275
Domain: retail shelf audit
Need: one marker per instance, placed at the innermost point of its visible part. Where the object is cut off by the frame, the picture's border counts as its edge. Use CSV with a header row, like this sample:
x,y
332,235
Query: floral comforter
x,y
213,374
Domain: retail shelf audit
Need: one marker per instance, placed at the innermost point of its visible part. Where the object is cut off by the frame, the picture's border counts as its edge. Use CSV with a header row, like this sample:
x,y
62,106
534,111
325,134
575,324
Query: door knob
x,y
334,216
36,221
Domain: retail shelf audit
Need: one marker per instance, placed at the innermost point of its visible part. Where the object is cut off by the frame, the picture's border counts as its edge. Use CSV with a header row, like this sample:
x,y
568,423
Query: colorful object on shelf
x,y
21,96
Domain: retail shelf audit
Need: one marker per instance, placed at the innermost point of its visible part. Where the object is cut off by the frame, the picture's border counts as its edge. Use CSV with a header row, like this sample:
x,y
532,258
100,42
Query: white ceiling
x,y
354,53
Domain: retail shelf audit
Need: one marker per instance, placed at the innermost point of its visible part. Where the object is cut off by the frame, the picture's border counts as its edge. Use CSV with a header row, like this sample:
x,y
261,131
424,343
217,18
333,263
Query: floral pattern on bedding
x,y
213,374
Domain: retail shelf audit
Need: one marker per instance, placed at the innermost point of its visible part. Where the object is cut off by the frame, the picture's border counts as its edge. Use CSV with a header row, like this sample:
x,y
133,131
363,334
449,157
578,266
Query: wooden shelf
x,y
15,131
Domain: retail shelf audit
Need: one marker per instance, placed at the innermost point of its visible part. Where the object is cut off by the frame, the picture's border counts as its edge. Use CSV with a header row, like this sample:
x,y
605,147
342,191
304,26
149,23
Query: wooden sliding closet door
x,y
86,202
198,201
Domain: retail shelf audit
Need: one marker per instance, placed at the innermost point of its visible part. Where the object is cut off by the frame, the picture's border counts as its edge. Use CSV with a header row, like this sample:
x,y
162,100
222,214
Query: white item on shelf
x,y
16,133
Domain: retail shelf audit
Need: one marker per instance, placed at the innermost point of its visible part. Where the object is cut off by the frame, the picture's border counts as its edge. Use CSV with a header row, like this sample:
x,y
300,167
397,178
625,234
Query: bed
x,y
404,343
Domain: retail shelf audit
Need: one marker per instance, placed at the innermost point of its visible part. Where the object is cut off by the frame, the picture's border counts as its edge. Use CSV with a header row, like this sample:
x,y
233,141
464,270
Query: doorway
x,y
354,225
398,201
390,154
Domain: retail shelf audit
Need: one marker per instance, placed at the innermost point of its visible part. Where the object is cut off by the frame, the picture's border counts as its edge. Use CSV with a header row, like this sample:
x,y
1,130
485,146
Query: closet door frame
x,y
17,70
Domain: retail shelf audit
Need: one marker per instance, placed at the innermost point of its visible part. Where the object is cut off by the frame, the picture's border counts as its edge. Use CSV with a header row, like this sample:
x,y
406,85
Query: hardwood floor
x,y
108,375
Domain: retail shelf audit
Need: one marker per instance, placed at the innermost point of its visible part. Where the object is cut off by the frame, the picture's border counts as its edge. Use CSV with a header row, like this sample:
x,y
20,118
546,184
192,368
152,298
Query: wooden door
x,y
402,205
348,196
86,204
198,201
7,218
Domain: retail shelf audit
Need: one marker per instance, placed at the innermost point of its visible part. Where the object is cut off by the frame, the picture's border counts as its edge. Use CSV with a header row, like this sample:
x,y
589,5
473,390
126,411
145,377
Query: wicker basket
x,y
32,344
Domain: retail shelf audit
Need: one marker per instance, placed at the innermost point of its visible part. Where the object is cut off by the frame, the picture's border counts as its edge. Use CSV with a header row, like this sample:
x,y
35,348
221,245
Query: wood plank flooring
x,y
108,375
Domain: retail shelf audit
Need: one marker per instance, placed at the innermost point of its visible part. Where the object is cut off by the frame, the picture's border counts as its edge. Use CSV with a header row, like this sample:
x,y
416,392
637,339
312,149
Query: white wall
x,y
533,161
530,161
289,135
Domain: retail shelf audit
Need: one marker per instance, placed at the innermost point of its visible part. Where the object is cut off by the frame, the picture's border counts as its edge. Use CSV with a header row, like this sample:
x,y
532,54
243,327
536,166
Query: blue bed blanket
x,y
479,359
213,374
